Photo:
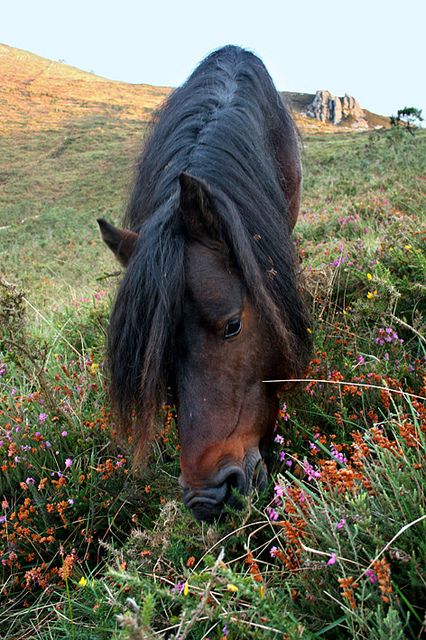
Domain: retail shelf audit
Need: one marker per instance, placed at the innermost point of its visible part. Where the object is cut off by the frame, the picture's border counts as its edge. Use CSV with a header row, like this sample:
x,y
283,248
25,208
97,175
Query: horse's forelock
x,y
143,327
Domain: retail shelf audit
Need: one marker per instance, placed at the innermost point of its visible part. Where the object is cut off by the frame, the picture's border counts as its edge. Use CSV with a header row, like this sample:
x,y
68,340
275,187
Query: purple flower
x,y
338,455
310,472
68,463
279,491
2,368
333,558
272,514
341,523
279,439
64,434
225,631
29,481
281,456
371,576
178,587
43,417
360,359
273,551
2,519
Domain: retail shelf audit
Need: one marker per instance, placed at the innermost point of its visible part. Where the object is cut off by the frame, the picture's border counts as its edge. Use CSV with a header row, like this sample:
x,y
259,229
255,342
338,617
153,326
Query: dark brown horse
x,y
209,305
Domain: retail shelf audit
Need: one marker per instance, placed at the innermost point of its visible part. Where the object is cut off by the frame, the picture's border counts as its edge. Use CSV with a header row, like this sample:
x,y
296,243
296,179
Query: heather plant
x,y
334,548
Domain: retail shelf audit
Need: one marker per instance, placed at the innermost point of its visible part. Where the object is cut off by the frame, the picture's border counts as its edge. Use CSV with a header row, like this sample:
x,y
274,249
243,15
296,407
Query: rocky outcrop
x,y
328,108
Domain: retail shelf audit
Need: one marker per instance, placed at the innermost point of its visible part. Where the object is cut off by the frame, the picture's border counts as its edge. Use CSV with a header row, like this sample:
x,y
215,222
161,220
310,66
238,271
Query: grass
x,y
335,547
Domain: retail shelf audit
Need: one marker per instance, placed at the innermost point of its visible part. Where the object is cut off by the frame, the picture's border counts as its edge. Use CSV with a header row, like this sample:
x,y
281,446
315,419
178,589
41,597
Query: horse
x,y
210,305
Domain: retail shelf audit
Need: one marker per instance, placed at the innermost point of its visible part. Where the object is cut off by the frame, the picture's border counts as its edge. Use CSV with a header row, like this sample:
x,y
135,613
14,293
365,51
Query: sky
x,y
371,49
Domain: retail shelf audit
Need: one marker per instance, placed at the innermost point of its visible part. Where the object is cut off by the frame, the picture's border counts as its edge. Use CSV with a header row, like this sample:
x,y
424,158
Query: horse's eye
x,y
232,328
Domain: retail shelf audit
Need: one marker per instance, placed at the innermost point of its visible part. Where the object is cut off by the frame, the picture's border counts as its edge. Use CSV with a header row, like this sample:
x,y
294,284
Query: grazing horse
x,y
209,306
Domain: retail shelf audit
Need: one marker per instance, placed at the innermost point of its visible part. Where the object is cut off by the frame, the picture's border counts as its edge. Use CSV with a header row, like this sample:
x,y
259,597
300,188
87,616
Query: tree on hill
x,y
408,117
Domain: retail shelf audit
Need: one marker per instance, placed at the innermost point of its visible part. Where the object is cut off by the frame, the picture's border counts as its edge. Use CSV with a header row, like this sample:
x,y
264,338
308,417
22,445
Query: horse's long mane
x,y
228,126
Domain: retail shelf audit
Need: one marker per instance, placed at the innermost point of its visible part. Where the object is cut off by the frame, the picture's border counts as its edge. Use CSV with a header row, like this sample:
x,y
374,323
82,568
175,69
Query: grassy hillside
x,y
335,547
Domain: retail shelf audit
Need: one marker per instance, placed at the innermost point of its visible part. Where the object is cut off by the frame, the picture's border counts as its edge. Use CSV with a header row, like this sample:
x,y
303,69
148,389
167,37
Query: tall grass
x,y
334,548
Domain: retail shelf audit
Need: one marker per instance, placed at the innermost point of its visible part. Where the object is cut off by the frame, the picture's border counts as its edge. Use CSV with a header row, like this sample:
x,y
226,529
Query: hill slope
x,y
39,94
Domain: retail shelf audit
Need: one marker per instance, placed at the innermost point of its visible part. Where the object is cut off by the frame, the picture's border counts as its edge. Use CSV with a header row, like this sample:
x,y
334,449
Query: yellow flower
x,y
82,582
232,588
371,294
262,591
369,276
408,247
93,368
186,589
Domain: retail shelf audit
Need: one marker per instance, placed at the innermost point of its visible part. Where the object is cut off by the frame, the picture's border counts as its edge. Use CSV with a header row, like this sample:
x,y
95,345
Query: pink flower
x,y
333,558
43,417
371,576
273,552
341,523
68,463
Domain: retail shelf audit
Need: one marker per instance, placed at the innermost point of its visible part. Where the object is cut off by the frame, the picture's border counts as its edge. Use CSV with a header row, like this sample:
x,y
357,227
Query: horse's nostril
x,y
236,484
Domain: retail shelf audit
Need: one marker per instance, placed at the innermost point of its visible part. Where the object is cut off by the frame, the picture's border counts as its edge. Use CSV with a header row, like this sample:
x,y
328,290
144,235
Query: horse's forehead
x,y
209,275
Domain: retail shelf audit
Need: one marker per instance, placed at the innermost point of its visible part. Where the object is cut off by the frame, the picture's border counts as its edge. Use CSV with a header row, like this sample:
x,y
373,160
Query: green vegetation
x,y
335,548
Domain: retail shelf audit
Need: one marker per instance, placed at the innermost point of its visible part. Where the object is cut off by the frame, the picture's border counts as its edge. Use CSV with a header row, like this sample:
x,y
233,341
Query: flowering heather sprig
x,y
311,473
371,576
338,455
387,335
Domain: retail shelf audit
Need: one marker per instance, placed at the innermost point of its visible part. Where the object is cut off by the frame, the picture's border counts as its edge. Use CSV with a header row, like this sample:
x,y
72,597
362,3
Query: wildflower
x,y
341,523
2,368
369,276
360,359
29,481
225,631
64,434
333,558
279,439
68,463
273,552
371,576
281,456
232,588
179,587
2,519
279,491
82,582
283,412
185,590
372,294
272,514
310,472
42,417
338,455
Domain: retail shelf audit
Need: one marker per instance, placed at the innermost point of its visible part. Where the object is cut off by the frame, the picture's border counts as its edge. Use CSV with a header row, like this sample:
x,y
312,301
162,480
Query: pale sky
x,y
371,49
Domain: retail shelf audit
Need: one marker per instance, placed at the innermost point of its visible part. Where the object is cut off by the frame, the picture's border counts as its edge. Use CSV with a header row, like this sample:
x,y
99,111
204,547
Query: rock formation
x,y
328,108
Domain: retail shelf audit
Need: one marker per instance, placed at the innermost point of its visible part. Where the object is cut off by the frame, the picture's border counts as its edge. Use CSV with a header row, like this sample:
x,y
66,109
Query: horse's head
x,y
223,351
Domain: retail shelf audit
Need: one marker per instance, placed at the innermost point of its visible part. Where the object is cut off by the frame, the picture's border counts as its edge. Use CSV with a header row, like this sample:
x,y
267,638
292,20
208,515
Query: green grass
x,y
335,547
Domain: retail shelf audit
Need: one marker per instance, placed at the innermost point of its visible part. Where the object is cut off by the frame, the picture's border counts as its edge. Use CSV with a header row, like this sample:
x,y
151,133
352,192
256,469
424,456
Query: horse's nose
x,y
207,503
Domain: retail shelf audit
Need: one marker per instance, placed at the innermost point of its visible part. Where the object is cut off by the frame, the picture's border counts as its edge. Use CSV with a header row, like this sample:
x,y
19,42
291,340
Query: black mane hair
x,y
227,126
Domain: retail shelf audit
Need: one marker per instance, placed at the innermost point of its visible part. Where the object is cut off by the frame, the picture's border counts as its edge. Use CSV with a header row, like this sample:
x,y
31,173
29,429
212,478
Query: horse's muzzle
x,y
207,503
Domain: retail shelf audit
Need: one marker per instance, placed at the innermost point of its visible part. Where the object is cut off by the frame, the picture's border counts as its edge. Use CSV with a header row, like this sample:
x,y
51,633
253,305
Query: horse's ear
x,y
197,209
120,241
